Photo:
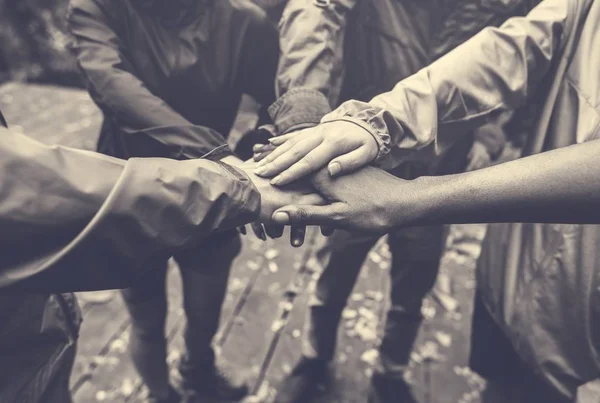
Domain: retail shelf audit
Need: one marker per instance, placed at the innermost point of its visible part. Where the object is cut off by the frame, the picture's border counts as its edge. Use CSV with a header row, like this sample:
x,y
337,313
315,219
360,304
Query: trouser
x,y
416,256
204,272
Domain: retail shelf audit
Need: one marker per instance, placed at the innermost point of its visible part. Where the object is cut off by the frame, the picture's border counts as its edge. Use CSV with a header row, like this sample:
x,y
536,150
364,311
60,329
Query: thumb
x,y
350,162
307,215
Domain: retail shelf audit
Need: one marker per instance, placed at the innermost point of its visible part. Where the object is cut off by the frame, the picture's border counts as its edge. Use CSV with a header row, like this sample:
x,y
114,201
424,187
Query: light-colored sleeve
x,y
77,220
493,72
310,72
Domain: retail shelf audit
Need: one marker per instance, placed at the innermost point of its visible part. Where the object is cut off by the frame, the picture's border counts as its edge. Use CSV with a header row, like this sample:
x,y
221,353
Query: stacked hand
x,y
341,146
272,198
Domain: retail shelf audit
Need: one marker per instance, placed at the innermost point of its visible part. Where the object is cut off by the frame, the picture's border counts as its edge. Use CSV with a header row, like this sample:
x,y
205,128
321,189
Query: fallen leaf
x,y
349,314
445,339
277,325
127,387
370,356
271,254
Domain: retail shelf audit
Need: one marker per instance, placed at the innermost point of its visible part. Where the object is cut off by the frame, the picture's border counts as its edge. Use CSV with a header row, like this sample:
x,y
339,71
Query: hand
x,y
368,200
478,157
341,146
272,198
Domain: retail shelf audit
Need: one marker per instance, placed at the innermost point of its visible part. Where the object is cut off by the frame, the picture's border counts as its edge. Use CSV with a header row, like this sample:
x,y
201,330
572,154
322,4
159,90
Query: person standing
x,y
332,51
168,77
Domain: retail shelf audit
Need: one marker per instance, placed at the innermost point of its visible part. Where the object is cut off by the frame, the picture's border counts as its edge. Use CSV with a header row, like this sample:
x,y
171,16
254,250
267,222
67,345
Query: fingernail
x,y
276,180
297,242
334,168
281,218
274,141
261,163
260,170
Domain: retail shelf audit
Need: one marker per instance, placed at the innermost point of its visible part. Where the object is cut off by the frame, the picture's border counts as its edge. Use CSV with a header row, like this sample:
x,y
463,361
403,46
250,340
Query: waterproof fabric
x,y
356,49
170,85
74,220
540,282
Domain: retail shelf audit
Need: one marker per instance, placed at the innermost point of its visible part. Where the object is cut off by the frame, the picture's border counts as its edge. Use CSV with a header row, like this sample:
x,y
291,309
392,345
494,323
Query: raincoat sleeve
x,y
310,72
76,220
491,73
112,83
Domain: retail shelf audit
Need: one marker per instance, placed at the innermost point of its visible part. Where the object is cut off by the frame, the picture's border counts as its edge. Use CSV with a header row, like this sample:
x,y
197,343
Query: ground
x,y
261,327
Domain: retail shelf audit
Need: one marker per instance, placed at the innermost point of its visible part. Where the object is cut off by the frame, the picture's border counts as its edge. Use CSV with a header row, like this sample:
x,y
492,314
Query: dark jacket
x,y
170,87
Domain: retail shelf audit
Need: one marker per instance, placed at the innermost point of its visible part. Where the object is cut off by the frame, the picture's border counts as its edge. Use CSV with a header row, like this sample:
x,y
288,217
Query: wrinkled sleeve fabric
x,y
310,72
491,73
76,220
148,122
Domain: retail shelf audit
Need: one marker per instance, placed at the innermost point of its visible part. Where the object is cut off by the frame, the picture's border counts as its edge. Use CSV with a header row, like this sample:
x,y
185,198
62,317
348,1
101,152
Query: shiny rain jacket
x,y
74,220
541,282
336,50
170,85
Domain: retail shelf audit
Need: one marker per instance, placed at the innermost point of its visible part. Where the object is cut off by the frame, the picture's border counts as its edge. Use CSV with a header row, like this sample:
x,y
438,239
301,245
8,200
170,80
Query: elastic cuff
x,y
251,197
299,107
383,141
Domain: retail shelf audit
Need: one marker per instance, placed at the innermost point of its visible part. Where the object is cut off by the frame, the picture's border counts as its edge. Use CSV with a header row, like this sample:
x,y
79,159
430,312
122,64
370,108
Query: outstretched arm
x,y
76,220
493,72
559,186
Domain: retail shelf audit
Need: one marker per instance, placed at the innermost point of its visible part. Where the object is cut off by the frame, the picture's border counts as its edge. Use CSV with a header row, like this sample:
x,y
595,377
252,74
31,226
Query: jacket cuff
x,y
371,119
297,109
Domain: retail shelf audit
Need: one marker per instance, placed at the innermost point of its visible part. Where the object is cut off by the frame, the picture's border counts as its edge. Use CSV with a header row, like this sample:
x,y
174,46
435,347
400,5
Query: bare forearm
x,y
560,186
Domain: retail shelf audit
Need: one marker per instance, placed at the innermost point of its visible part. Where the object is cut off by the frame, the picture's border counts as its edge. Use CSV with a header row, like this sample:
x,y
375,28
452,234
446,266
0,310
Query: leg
x,y
416,256
205,273
342,256
147,305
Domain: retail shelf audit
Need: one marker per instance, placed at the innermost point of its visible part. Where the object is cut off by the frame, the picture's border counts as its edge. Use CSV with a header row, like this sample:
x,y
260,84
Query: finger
x,y
277,152
310,199
274,231
257,157
242,230
351,161
327,231
297,235
258,230
279,140
313,161
287,154
261,148
329,215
